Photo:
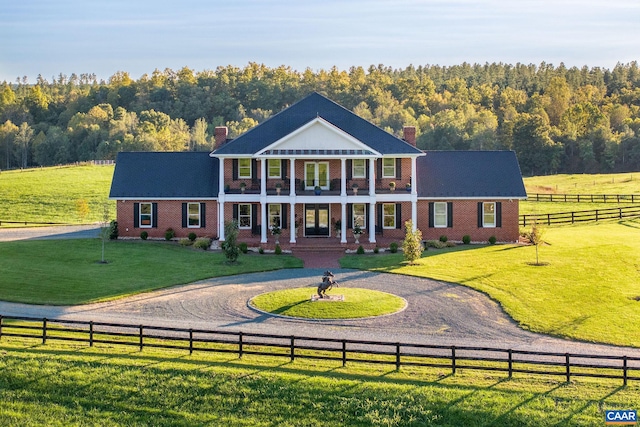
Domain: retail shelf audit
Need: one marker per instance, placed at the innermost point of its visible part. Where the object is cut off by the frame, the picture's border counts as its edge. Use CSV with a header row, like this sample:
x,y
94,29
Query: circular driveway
x,y
437,312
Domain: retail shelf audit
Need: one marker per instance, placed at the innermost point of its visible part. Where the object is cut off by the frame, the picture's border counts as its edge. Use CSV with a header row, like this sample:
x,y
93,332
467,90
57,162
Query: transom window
x,y
358,168
274,168
359,215
489,214
275,215
440,214
244,168
389,215
388,167
193,215
146,215
244,216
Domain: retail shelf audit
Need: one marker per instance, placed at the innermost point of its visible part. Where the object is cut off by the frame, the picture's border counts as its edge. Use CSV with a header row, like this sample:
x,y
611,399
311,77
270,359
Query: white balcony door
x,y
316,173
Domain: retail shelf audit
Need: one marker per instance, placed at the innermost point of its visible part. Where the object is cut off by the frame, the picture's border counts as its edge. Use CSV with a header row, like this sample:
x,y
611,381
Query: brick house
x,y
317,171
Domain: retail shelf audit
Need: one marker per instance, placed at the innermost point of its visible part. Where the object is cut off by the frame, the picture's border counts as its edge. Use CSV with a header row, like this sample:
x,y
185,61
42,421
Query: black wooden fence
x,y
580,216
397,354
587,198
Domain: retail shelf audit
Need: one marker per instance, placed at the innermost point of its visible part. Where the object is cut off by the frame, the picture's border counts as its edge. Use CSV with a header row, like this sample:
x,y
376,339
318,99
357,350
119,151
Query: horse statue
x,y
327,283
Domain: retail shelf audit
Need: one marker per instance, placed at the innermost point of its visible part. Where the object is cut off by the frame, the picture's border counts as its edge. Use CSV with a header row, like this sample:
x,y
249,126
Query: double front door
x,y
316,220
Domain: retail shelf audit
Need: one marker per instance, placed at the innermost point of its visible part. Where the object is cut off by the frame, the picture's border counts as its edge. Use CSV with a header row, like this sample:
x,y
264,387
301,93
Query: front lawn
x,y
65,272
587,291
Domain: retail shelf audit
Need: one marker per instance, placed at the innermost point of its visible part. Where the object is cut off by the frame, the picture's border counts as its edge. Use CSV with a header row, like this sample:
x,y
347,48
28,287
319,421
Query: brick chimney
x,y
409,134
220,136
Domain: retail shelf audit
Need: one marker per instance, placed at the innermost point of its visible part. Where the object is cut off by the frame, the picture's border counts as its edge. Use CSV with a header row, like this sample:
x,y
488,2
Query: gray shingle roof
x,y
469,174
304,111
173,175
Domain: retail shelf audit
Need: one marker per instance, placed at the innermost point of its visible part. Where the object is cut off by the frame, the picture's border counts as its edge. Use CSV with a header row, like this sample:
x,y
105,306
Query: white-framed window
x,y
440,215
489,214
244,168
316,173
358,168
388,167
275,215
146,215
274,168
244,216
193,215
389,215
359,215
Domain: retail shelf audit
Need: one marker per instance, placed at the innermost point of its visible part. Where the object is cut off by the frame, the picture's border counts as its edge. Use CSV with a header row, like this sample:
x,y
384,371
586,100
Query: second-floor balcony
x,y
353,187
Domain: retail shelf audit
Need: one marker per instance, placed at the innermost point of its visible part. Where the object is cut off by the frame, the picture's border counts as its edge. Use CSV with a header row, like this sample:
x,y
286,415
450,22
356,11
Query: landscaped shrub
x,y
169,234
144,235
393,247
360,250
192,236
185,242
113,230
202,243
443,238
437,244
466,239
376,250
244,248
492,240
278,250
261,250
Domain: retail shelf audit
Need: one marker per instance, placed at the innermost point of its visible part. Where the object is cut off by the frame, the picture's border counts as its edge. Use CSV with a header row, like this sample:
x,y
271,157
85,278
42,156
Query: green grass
x,y
64,272
357,303
621,183
70,386
50,194
585,292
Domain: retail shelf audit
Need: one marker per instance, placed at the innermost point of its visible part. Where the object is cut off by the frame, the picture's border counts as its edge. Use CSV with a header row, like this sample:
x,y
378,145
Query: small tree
x,y
536,237
412,245
105,229
230,245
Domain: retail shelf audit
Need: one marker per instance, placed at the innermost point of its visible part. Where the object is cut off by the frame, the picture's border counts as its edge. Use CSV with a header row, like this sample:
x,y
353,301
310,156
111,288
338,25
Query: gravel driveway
x,y
437,312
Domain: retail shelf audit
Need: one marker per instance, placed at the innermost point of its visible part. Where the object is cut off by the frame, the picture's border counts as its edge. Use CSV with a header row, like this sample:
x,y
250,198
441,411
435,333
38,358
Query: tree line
x,y
557,119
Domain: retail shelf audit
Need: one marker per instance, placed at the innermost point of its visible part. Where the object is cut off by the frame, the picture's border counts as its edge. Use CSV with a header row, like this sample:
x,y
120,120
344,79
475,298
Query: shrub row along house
x,y
317,170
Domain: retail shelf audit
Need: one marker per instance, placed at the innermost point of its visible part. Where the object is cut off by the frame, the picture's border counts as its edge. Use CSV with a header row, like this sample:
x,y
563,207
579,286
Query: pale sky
x,y
137,36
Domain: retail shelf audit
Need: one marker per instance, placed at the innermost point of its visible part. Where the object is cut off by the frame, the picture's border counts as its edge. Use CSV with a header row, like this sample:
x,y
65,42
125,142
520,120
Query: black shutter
x,y
349,169
398,168
366,215
379,216
450,214
366,167
432,212
284,215
234,168
398,215
349,216
254,170
184,215
155,215
498,214
235,212
203,215
283,168
136,215
254,216
480,215
379,163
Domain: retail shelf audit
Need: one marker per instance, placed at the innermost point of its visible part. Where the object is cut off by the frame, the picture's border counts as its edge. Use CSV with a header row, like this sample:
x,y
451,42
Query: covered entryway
x,y
316,220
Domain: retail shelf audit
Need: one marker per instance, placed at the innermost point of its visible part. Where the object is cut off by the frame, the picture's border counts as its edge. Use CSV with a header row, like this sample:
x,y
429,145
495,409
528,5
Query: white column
x,y
265,223
343,223
292,177
414,194
221,201
372,220
343,177
292,221
372,177
263,177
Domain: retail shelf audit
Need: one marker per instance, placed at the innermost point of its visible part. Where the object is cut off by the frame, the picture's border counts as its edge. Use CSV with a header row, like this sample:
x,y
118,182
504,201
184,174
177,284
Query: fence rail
x,y
587,198
580,216
33,223
292,347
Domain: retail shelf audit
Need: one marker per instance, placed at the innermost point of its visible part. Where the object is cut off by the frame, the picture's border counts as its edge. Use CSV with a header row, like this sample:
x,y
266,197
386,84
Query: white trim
x,y
199,215
385,227
150,225
275,159
393,176
153,199
495,219
250,169
250,216
364,169
446,218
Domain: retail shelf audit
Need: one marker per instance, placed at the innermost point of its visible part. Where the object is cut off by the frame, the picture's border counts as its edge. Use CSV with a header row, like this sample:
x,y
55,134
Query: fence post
x,y
397,356
293,348
624,370
596,215
572,217
344,352
240,349
578,198
568,367
453,359
91,333
548,219
44,330
141,332
620,211
190,341
510,363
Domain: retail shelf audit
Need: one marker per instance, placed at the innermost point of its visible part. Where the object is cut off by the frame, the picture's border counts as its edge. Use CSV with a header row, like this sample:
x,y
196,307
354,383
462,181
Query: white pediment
x,y
318,134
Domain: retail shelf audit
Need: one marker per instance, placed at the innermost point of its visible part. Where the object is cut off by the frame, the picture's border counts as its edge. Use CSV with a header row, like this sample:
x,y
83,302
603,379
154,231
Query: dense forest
x,y
557,119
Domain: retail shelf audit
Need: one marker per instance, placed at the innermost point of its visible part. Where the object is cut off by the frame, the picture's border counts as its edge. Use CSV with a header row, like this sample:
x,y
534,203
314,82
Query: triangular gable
x,y
318,134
